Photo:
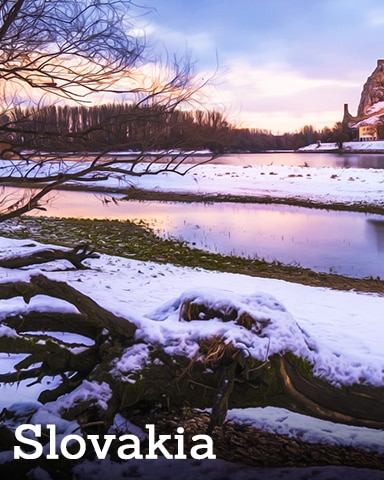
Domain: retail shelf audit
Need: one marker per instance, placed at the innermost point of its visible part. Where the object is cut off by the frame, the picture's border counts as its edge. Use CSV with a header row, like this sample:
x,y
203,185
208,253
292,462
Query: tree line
x,y
258,140
123,126
114,126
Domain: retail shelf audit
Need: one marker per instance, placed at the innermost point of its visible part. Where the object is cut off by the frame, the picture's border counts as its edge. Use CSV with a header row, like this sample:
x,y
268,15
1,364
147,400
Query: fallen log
x,y
220,375
75,256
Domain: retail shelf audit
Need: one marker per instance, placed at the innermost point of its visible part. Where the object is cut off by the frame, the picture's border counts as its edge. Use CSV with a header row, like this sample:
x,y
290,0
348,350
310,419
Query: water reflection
x,y
375,227
317,160
285,158
341,242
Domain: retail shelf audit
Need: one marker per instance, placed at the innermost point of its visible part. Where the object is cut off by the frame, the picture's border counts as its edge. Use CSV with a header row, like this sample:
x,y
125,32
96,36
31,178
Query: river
x,y
348,243
317,160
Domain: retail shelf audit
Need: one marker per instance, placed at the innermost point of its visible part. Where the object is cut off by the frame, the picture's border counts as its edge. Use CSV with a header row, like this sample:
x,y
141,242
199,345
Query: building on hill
x,y
368,124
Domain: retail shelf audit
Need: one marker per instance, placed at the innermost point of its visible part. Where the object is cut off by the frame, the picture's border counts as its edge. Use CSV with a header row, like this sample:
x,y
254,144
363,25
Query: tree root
x,y
75,256
219,376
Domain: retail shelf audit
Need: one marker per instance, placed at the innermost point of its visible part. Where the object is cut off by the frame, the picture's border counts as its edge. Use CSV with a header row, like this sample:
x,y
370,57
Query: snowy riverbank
x,y
324,185
344,326
348,147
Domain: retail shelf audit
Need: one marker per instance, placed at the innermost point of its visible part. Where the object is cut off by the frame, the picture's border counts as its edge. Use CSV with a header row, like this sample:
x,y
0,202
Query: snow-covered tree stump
x,y
198,350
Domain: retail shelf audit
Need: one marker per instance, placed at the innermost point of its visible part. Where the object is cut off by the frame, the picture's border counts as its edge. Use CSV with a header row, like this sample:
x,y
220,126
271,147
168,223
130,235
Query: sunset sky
x,y
281,64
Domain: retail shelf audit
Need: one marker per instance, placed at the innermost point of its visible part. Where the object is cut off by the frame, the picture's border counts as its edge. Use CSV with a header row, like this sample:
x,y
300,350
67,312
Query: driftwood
x,y
220,377
75,256
109,332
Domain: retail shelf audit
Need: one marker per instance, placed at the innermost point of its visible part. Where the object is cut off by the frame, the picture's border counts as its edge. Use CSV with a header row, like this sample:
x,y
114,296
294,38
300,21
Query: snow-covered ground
x,y
344,329
373,146
326,184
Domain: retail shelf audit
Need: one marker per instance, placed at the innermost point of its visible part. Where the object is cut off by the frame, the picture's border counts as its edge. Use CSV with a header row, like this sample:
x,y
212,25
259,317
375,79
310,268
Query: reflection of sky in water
x,y
341,242
335,160
375,229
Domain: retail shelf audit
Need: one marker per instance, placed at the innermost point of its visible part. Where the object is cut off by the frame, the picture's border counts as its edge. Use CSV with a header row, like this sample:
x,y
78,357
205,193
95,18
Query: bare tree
x,y
72,51
76,51
221,374
340,134
67,48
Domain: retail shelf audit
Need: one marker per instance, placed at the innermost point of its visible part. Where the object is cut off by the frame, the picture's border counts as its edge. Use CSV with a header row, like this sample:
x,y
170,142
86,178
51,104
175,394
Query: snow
x,y
133,359
124,285
340,332
312,430
373,120
348,315
279,330
326,184
376,107
212,470
366,146
97,393
343,330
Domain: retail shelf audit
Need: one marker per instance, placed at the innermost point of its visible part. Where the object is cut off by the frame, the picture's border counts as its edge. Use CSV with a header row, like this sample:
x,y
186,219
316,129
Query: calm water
x,y
348,243
335,160
349,160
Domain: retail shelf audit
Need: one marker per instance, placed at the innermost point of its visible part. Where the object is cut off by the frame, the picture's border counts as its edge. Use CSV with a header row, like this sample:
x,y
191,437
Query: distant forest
x,y
127,127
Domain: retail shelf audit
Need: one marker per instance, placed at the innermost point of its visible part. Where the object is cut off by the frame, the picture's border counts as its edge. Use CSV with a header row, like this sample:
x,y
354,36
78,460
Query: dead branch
x,y
99,316
75,256
219,376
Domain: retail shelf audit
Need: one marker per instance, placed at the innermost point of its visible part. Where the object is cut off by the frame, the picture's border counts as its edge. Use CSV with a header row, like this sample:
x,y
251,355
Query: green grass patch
x,y
137,241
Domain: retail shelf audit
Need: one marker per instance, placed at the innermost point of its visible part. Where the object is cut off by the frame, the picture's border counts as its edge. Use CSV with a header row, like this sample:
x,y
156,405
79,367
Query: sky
x,y
279,65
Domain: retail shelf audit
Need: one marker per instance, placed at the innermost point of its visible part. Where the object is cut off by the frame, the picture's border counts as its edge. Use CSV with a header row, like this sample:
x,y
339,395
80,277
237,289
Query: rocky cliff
x,y
371,107
373,90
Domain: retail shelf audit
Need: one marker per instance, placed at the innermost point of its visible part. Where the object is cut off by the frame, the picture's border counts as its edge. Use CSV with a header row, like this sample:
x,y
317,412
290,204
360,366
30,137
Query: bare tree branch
x,y
220,375
75,256
72,50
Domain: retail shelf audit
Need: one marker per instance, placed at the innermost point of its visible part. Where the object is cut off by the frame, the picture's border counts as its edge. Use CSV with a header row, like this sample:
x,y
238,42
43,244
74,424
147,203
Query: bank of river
x,y
346,243
317,158
126,239
293,216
